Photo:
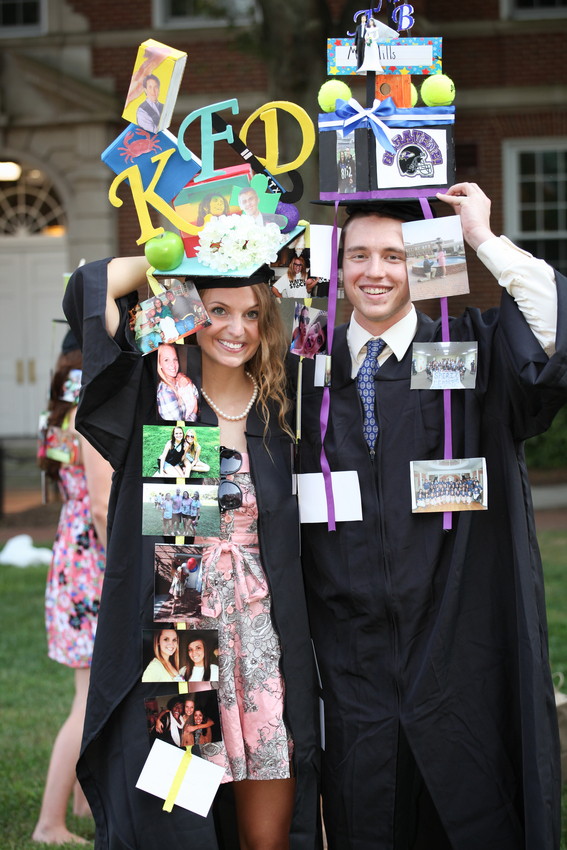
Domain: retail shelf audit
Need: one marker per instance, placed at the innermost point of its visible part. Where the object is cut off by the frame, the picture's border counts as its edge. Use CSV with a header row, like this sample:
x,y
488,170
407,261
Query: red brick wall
x,y
230,71
461,10
501,61
488,132
104,15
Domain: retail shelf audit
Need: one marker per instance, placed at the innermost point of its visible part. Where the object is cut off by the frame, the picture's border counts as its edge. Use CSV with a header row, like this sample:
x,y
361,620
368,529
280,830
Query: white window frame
x,y
508,11
31,31
511,150
160,20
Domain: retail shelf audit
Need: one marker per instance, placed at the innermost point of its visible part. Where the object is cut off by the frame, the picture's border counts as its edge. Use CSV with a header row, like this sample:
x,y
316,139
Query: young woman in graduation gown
x,y
117,399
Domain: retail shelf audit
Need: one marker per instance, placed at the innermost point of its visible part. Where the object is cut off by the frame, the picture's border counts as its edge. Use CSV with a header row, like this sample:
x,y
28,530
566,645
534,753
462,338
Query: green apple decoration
x,y
165,251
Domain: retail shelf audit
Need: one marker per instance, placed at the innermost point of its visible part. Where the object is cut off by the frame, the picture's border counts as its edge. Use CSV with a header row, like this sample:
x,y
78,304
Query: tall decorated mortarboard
x,y
390,155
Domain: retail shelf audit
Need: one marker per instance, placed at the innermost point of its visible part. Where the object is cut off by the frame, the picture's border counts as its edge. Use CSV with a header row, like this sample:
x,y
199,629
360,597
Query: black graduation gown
x,y
117,398
441,633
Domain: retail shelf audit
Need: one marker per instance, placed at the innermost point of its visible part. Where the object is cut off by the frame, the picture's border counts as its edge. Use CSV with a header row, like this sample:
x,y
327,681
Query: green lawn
x,y
156,437
36,693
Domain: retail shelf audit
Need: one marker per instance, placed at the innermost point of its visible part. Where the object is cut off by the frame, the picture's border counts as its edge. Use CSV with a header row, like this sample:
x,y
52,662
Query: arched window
x,y
31,206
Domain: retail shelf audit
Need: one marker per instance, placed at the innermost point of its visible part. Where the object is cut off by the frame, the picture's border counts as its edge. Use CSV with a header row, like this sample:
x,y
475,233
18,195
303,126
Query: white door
x,y
31,291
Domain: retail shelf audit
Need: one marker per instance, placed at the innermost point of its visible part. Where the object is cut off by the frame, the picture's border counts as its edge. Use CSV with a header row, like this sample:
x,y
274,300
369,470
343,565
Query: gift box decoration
x,y
385,152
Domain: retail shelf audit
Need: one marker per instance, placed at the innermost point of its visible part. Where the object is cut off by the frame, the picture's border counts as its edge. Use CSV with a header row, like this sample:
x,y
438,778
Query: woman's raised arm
x,y
125,274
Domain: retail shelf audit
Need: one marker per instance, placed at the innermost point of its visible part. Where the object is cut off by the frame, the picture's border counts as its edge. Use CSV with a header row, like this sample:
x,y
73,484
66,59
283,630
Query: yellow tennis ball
x,y
414,95
330,91
438,90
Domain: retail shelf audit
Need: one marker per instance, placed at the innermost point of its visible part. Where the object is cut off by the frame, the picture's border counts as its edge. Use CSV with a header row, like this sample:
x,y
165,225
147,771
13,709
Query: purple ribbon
x,y
445,336
325,404
354,116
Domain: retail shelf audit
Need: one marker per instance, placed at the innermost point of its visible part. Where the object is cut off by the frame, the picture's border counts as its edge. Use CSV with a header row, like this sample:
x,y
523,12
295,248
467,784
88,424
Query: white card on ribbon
x,y
313,501
198,787
320,241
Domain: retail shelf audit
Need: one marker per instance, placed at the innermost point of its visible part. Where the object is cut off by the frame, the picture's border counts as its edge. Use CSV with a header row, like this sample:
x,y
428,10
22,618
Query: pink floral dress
x,y
74,582
236,600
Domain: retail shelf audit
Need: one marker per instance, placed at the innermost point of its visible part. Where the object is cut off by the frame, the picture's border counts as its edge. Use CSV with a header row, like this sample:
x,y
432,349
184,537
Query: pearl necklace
x,y
223,415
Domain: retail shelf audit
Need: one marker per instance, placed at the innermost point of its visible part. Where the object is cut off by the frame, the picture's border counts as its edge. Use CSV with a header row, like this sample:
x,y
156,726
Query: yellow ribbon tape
x,y
155,285
305,224
181,626
298,405
180,540
183,688
177,780
308,302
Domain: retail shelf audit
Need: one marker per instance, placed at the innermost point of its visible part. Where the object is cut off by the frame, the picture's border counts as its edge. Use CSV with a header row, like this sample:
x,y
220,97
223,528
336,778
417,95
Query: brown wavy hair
x,y
157,652
267,365
58,409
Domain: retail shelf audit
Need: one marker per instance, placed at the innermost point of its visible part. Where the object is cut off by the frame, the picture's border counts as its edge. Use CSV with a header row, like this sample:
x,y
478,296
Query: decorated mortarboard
x,y
233,220
390,157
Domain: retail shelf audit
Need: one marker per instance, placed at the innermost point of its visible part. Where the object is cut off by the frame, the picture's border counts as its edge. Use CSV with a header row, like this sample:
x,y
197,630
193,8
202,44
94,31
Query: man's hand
x,y
470,202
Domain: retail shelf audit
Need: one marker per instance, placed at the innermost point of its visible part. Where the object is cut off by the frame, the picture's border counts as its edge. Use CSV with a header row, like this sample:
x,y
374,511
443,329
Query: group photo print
x,y
448,485
184,719
170,510
444,365
167,317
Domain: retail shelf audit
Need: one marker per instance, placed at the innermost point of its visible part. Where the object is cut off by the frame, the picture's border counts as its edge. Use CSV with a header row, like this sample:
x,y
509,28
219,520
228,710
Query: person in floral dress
x,y
74,582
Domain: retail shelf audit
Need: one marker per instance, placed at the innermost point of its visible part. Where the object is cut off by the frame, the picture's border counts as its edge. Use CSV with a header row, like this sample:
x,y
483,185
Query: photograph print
x,y
167,317
178,576
184,655
188,451
184,719
198,201
179,383
444,365
346,163
295,281
309,332
171,510
448,485
435,257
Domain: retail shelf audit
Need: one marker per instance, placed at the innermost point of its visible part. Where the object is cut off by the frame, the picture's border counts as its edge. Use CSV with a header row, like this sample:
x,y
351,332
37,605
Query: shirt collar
x,y
398,337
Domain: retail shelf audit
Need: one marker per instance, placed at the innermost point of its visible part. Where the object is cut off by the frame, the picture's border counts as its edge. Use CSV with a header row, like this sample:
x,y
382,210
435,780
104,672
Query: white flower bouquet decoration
x,y
234,242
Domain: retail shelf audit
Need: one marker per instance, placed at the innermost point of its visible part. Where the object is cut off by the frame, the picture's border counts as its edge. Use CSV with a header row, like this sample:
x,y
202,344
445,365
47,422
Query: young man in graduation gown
x,y
440,722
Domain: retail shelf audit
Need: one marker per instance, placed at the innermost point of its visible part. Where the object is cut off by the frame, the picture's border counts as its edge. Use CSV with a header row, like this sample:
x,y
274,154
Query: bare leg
x,y
263,810
61,775
81,807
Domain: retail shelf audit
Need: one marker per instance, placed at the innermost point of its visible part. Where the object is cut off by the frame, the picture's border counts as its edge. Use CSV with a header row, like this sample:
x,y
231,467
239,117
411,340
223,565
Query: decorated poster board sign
x,y
400,56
